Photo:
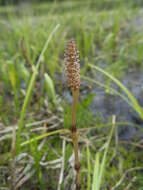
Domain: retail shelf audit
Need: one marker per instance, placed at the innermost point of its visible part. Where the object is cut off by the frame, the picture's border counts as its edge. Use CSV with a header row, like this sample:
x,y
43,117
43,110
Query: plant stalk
x,y
74,134
29,91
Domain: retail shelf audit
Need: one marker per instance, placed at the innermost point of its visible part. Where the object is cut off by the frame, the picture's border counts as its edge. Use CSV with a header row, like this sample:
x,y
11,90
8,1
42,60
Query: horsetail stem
x,y
72,69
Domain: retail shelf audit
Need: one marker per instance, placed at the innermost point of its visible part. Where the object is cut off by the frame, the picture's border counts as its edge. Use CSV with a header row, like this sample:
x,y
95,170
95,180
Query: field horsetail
x,y
72,69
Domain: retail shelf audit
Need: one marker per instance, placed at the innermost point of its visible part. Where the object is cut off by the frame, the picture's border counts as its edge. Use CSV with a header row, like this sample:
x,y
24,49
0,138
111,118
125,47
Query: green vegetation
x,y
36,144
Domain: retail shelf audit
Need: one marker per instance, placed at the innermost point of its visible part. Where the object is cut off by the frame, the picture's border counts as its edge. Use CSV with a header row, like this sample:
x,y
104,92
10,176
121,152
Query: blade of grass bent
x,y
43,136
136,106
29,90
109,88
109,125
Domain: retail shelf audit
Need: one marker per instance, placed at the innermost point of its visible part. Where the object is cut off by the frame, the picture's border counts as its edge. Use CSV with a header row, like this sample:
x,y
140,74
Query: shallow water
x,y
109,104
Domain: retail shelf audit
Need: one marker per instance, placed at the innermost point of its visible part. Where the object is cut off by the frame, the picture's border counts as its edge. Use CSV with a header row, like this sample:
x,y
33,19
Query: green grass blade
x,y
96,172
13,81
136,106
36,155
50,88
29,90
103,163
41,137
109,88
88,167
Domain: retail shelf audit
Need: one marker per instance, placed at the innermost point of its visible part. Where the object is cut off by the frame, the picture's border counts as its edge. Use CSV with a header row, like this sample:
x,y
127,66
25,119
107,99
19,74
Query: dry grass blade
x,y
24,179
62,165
